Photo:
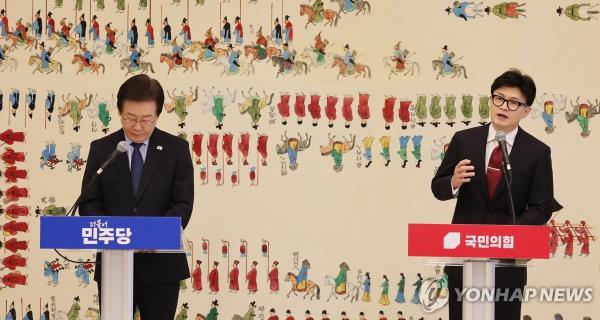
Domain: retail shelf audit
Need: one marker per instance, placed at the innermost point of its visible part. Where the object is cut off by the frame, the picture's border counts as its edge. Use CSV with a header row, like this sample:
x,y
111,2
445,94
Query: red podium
x,y
479,248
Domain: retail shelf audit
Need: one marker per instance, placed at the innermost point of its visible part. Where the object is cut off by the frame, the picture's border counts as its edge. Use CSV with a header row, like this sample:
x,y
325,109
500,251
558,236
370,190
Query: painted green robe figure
x,y
104,116
75,115
251,313
385,300
318,9
435,109
73,313
218,110
385,145
254,111
100,5
199,2
450,110
121,5
58,3
182,315
341,279
467,108
336,154
484,109
421,109
143,4
213,313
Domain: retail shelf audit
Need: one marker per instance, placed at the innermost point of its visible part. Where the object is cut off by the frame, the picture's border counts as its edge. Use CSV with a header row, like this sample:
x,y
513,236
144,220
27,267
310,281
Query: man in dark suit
x,y
471,172
154,178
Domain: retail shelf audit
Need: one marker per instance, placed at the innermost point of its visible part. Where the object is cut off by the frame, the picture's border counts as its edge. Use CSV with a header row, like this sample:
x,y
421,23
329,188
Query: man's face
x,y
138,119
504,119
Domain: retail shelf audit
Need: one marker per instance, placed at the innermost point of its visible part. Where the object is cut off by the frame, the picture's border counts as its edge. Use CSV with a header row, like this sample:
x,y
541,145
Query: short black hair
x,y
513,78
141,88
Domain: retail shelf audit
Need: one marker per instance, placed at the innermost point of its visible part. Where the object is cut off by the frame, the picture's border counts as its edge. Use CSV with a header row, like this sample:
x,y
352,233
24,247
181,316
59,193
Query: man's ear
x,y
527,110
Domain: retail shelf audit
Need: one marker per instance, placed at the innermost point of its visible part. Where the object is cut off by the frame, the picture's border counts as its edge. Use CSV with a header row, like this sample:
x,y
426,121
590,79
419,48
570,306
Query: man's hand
x,y
462,173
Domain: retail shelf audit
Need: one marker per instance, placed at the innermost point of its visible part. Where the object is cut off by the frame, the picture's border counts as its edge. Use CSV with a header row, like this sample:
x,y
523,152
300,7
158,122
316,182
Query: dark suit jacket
x,y
532,186
166,190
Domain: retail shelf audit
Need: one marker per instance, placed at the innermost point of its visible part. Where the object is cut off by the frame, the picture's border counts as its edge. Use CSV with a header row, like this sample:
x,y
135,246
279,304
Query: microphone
x,y
507,173
501,138
121,147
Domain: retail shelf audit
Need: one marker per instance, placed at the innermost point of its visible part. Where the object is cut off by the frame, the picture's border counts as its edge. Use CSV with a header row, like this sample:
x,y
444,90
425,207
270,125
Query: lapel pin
x,y
159,148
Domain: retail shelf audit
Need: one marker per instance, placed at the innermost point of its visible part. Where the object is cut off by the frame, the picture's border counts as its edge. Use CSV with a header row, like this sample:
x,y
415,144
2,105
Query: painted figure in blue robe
x,y
94,29
400,295
132,34
14,100
349,5
28,313
82,274
72,157
45,56
303,273
37,25
447,60
226,31
12,313
46,314
81,28
166,32
49,104
234,61
177,52
3,24
134,58
417,285
239,32
348,59
276,33
293,156
186,32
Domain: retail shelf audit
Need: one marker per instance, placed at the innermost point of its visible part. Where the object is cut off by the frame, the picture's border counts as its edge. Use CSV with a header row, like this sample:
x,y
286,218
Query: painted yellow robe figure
x,y
385,300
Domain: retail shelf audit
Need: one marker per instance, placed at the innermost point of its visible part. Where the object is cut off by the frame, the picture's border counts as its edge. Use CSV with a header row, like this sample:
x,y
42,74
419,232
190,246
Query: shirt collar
x,y
145,143
510,136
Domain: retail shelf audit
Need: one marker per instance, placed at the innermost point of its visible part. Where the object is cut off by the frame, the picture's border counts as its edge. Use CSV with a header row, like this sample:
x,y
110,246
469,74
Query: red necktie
x,y
494,171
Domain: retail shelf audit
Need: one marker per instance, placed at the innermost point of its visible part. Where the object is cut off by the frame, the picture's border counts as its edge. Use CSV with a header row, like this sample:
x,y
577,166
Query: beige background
x,y
358,215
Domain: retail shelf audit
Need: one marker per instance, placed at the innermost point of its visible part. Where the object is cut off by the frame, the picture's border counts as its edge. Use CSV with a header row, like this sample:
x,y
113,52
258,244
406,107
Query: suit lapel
x,y
124,170
153,156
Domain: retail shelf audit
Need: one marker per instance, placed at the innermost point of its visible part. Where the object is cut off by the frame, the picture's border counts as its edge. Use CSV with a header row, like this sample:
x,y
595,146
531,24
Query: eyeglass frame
x,y
508,101
143,122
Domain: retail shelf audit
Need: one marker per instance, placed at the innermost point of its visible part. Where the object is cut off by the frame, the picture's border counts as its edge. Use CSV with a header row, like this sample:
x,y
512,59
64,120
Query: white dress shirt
x,y
490,146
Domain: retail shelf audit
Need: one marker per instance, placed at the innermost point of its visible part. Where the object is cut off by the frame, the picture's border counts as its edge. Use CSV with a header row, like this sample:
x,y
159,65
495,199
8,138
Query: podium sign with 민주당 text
x,y
479,241
118,237
111,233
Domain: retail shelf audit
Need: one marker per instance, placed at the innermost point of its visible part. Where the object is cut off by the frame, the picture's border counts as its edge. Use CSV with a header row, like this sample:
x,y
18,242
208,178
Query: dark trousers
x,y
511,278
155,301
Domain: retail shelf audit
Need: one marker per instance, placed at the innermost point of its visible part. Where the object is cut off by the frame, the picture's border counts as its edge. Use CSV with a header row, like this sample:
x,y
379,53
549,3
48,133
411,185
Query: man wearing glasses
x,y
471,173
154,178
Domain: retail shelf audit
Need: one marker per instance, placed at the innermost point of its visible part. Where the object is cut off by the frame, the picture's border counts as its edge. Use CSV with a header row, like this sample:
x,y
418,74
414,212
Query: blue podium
x,y
118,238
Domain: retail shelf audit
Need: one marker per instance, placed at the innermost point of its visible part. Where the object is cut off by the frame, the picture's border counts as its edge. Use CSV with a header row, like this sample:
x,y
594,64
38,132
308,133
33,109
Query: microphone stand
x,y
508,179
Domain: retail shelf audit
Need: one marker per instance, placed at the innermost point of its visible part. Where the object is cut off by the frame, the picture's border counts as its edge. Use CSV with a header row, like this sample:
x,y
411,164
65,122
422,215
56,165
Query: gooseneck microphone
x,y
121,147
501,138
506,172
